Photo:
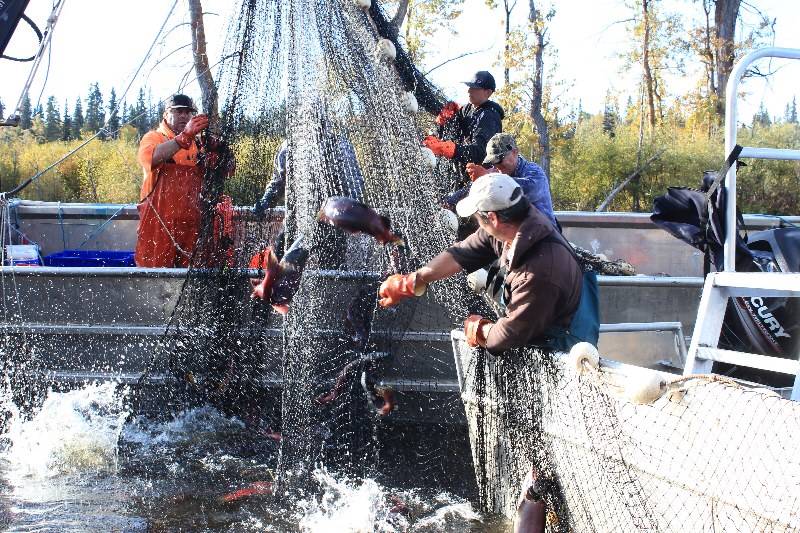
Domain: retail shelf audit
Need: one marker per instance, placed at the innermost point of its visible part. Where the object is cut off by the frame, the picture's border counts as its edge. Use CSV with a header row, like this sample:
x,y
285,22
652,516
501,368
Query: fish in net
x,y
317,77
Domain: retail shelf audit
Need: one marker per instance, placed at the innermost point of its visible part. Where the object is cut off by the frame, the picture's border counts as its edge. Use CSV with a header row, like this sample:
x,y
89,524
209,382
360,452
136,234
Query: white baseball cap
x,y
490,192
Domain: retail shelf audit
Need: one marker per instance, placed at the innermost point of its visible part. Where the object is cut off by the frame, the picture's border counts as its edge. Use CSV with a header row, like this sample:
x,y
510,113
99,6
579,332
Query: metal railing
x,y
731,93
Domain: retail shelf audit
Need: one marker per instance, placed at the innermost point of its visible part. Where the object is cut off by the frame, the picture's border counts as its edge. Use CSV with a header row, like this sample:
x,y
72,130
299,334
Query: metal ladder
x,y
719,286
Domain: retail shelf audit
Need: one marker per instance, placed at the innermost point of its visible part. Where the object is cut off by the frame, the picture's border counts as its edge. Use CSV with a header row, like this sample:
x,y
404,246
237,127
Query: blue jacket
x,y
536,186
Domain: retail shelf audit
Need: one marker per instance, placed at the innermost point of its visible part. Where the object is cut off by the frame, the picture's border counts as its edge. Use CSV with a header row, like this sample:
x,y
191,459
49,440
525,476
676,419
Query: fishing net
x,y
332,374
706,454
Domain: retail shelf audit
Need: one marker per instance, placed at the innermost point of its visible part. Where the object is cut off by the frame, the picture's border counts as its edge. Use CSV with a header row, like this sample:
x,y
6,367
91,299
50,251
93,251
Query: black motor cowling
x,y
754,324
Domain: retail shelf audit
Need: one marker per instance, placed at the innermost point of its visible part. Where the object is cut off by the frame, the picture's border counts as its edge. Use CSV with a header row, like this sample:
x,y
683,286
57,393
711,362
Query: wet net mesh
x,y
325,376
707,455
328,375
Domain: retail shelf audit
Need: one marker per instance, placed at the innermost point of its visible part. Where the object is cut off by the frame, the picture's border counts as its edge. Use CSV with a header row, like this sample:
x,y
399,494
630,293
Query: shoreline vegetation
x,y
591,154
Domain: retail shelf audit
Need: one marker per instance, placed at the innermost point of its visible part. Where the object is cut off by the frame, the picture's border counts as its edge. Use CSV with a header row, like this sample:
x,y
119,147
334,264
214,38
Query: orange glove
x,y
263,260
476,171
218,156
448,112
398,287
439,147
474,330
196,125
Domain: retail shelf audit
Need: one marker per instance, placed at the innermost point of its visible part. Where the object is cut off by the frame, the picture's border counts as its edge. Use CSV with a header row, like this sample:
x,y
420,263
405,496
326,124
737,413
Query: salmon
x,y
355,217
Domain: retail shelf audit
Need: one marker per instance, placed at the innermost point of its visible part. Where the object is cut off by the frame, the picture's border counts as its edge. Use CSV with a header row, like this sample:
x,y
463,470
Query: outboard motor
x,y
755,324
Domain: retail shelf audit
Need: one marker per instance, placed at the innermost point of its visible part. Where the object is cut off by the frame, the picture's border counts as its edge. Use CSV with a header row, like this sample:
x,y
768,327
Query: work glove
x,y
217,156
197,124
263,260
474,330
476,171
439,147
398,287
447,113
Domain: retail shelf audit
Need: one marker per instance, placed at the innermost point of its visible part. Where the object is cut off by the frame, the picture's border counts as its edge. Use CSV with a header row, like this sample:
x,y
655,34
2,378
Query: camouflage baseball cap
x,y
497,148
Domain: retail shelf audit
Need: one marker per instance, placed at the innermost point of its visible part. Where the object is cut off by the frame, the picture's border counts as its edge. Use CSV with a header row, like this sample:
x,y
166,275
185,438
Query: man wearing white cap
x,y
537,282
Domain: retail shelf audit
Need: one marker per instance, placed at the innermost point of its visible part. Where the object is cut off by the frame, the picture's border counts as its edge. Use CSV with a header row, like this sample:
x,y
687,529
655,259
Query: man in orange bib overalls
x,y
169,207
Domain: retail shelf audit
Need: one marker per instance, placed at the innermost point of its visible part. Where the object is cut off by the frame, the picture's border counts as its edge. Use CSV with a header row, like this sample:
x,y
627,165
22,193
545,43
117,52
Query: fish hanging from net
x,y
278,320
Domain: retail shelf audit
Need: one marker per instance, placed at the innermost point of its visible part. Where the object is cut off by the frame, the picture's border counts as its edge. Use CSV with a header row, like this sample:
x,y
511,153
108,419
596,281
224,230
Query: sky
x,y
105,41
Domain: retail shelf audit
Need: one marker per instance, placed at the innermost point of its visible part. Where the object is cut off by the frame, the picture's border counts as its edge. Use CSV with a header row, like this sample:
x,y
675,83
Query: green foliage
x,y
66,125
587,162
254,164
78,120
101,171
113,115
95,114
25,113
108,171
423,19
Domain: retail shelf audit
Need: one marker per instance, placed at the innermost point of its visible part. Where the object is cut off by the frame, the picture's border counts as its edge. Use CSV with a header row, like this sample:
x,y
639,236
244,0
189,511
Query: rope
x,y
668,385
103,225
166,230
61,225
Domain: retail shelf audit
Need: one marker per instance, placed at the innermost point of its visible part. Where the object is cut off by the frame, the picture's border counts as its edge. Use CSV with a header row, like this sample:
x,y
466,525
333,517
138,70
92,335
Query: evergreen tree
x,y
159,114
2,110
77,119
113,115
761,118
25,114
52,121
125,117
610,115
66,124
95,115
790,115
139,115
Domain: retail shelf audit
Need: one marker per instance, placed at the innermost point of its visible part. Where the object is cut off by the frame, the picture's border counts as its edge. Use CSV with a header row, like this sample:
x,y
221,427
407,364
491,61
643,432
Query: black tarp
x,y
770,326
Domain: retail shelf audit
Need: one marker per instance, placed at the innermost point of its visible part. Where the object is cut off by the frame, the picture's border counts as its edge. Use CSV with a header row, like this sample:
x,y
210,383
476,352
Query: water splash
x,y
365,505
73,432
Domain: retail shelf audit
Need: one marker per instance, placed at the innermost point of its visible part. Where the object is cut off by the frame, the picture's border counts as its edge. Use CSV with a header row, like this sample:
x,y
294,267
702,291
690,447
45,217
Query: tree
x,y
95,115
718,48
78,121
657,47
2,110
726,12
25,114
538,22
139,116
66,124
647,73
508,7
762,118
421,19
158,115
610,115
52,121
790,115
208,89
113,115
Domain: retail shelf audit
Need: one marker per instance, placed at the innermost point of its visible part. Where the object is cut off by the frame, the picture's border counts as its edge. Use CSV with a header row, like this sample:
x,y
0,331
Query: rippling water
x,y
83,464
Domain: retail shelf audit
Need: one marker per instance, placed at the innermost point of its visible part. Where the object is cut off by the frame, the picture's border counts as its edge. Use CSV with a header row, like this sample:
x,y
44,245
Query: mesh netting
x,y
709,455
310,74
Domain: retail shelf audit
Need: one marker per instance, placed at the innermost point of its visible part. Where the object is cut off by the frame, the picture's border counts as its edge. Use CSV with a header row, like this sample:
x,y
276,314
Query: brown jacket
x,y
544,280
